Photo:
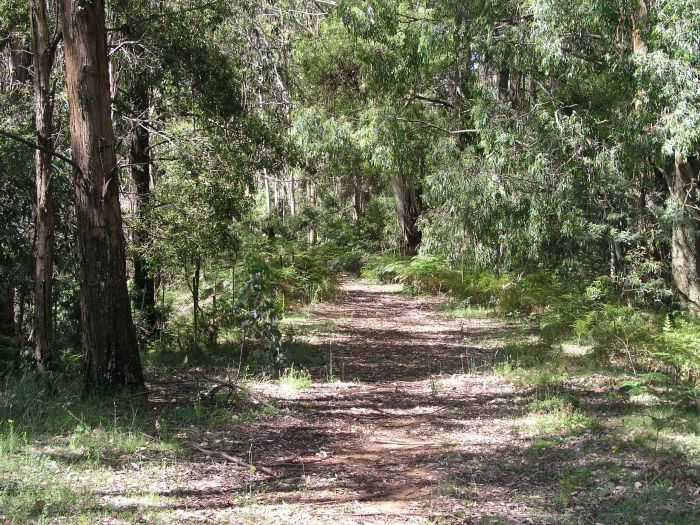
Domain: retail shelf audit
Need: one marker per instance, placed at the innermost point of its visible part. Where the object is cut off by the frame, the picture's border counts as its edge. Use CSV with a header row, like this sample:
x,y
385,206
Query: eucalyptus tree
x,y
108,336
15,168
376,68
45,41
664,38
166,68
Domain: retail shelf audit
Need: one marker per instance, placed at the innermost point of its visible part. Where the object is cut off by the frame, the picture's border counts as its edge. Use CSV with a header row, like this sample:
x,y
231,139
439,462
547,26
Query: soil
x,y
399,425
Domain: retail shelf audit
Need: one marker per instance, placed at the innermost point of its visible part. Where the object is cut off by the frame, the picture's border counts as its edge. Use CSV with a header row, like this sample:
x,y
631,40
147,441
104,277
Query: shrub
x,y
529,294
481,287
9,352
678,344
340,259
616,329
302,276
382,268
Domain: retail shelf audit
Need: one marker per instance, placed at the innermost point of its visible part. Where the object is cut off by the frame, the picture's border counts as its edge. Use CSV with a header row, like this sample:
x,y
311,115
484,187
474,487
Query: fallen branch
x,y
237,461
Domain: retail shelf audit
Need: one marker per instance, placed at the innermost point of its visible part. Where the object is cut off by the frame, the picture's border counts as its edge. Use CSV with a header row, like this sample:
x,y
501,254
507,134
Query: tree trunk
x,y
20,60
685,260
292,197
7,311
683,193
108,336
358,200
268,204
312,233
140,171
195,296
277,199
43,116
408,208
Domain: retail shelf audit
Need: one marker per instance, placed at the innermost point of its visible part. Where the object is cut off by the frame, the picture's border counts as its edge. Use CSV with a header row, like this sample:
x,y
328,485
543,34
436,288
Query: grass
x,y
594,443
600,443
37,488
667,430
553,414
464,309
60,452
295,379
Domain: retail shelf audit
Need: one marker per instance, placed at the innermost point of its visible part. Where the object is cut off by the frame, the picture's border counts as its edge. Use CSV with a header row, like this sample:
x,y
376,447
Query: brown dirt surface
x,y
403,429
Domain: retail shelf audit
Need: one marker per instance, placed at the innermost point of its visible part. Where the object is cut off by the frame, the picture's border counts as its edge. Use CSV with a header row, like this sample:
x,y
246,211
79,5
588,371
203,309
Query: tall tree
x,y
108,336
44,51
140,171
678,95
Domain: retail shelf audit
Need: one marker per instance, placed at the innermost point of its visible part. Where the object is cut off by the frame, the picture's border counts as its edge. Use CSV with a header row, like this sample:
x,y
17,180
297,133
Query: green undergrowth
x,y
295,379
59,449
243,306
598,443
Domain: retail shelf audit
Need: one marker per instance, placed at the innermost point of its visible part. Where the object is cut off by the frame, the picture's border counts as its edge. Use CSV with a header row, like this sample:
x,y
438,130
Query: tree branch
x,y
35,146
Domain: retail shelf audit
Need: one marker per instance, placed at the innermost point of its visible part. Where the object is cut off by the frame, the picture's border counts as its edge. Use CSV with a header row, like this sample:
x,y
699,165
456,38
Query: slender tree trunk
x,y
408,209
292,197
312,233
108,336
683,194
358,201
140,171
7,311
195,295
20,60
279,203
268,204
43,117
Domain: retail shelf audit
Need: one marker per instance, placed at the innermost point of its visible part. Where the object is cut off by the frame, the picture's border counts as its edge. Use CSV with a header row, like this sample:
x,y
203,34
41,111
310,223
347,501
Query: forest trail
x,y
371,446
411,417
371,442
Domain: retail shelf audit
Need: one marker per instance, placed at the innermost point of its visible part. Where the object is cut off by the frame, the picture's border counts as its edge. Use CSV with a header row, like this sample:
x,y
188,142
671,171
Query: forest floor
x,y
409,415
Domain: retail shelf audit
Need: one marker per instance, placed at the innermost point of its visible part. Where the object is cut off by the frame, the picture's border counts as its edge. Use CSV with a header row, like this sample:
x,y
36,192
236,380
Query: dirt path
x,y
372,444
369,448
401,424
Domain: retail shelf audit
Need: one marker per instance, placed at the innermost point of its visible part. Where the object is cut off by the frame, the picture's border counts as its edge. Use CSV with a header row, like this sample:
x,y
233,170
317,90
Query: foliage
x,y
617,329
679,344
256,313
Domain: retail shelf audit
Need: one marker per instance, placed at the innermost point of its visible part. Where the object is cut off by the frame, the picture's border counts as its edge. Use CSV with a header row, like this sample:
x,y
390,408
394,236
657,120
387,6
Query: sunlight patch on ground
x,y
576,349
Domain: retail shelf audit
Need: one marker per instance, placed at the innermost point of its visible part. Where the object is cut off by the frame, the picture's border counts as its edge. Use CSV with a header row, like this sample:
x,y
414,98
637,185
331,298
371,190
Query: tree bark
x,y
358,196
268,204
195,296
292,197
408,208
140,171
312,233
108,336
45,220
683,193
20,60
685,260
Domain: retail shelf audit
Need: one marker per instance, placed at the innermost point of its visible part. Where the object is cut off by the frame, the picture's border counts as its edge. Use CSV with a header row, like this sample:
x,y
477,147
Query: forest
x,y
350,262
